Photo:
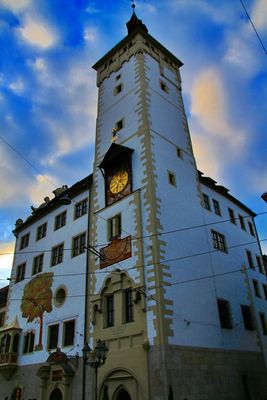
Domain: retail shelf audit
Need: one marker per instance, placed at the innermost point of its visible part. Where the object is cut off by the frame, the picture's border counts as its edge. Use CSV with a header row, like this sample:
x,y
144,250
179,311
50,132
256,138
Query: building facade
x,y
151,256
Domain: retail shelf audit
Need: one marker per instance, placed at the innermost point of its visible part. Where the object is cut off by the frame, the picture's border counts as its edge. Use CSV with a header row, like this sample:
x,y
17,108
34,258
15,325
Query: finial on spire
x,y
134,22
133,5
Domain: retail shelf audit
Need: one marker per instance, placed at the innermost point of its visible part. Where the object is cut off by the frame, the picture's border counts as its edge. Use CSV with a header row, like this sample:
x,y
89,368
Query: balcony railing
x,y
8,359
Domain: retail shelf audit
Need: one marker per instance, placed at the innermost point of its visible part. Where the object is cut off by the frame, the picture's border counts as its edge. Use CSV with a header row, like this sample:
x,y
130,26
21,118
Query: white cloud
x,y
209,106
92,9
17,86
38,33
6,261
259,15
89,34
210,125
40,64
241,51
206,154
14,188
41,187
223,14
147,7
73,94
16,5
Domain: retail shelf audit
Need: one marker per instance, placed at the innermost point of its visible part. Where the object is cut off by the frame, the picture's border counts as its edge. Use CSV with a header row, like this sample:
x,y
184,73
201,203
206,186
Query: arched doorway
x,y
56,395
123,395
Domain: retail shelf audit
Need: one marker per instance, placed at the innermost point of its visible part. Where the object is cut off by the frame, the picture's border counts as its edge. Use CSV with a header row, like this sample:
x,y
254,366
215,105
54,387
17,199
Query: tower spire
x,y
135,22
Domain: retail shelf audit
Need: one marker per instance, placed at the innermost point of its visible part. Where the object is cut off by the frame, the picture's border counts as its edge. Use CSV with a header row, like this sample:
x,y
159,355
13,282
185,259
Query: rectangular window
x,y
41,231
2,318
206,201
128,299
110,310
231,216
52,337
37,264
256,288
78,245
242,223
119,125
60,220
219,242
250,259
118,89
247,317
57,254
114,227
80,208
28,345
251,228
68,333
263,323
224,314
164,87
171,177
216,206
24,241
259,264
264,286
179,152
20,274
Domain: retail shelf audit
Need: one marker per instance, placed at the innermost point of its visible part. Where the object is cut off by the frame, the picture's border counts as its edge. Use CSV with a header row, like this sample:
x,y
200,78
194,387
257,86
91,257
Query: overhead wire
x,y
253,26
163,262
135,238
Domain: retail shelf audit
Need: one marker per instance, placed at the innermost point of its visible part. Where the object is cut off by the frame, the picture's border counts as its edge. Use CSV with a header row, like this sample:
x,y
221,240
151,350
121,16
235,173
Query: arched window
x,y
16,394
122,394
56,395
28,345
116,300
7,343
2,344
15,343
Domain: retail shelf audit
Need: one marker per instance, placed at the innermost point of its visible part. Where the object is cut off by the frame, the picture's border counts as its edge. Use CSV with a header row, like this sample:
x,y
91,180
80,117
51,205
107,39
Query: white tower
x,y
155,291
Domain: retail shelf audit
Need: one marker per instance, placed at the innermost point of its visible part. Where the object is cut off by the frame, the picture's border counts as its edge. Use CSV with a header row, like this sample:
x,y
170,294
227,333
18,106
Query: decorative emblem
x,y
36,300
118,250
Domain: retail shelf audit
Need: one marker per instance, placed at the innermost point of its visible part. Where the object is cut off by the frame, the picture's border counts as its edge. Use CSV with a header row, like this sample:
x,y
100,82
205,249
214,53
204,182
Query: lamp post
x,y
95,358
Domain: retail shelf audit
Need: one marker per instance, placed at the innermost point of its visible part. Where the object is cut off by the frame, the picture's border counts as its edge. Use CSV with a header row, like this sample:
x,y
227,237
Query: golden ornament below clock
x,y
118,182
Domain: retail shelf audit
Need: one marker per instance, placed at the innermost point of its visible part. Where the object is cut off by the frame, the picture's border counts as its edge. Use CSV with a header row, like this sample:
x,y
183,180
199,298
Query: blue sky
x,y
48,94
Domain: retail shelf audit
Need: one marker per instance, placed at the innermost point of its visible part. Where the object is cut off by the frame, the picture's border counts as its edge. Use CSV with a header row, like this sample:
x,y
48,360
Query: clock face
x,y
118,181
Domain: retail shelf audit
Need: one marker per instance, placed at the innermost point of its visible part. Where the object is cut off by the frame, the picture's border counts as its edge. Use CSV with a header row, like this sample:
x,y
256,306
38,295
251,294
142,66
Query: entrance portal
x,y
123,395
56,395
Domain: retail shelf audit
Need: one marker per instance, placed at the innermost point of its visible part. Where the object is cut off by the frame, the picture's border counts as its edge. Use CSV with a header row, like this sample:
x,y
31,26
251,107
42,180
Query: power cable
x,y
142,237
163,262
27,161
45,298
166,285
92,248
253,26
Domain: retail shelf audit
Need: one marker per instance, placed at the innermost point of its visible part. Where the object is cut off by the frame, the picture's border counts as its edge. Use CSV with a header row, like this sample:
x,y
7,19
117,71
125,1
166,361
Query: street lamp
x,y
95,358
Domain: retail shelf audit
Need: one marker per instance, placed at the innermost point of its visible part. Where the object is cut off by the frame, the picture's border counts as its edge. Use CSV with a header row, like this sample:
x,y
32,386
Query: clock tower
x,y
145,194
143,157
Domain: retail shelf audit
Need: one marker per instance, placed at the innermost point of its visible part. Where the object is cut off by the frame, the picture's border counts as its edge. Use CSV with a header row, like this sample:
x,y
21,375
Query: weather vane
x,y
133,4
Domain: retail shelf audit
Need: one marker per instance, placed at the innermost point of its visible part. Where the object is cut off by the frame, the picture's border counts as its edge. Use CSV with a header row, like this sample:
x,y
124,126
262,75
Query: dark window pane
x,y
53,337
224,313
69,328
